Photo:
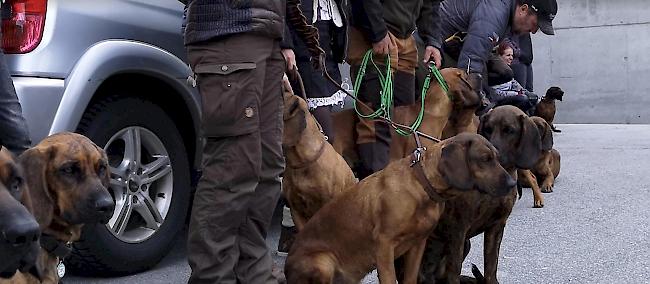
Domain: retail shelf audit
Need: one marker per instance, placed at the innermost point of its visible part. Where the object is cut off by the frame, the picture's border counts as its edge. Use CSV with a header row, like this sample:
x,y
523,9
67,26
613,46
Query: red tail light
x,y
23,31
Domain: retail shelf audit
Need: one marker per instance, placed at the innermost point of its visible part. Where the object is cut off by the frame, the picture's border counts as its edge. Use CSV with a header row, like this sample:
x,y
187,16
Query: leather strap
x,y
422,178
55,247
309,161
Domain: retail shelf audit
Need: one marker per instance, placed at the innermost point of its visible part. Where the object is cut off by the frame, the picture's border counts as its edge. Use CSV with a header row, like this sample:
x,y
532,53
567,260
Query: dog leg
x,y
538,198
385,259
454,257
413,261
298,220
549,180
492,242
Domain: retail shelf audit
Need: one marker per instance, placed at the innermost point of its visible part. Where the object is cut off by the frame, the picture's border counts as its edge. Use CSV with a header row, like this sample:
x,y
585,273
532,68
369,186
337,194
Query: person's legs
x,y
529,78
521,73
228,71
255,261
14,134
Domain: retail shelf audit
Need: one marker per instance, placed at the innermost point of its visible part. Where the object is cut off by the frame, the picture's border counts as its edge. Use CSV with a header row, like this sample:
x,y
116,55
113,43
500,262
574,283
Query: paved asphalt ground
x,y
593,229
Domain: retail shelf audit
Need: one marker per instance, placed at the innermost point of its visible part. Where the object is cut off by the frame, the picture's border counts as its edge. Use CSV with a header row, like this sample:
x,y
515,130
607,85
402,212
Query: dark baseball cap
x,y
546,11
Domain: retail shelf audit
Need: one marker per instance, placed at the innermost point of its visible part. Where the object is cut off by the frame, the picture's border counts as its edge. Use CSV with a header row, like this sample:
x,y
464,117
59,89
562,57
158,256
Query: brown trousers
x,y
239,78
373,140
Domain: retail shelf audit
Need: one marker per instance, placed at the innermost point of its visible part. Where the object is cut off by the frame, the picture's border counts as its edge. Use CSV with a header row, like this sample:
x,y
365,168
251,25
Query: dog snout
x,y
104,206
22,233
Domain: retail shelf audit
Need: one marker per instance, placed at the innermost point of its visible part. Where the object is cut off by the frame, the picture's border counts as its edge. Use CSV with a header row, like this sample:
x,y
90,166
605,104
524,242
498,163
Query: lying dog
x,y
314,173
518,141
67,175
440,112
547,167
19,231
546,107
391,213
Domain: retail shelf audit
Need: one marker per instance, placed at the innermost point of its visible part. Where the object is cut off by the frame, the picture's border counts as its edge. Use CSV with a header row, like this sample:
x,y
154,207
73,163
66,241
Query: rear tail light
x,y
22,29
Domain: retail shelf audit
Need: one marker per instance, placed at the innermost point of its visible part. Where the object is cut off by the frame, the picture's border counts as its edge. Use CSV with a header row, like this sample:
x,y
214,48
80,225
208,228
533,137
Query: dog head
x,y
68,177
469,161
19,231
545,130
460,88
294,116
514,134
311,268
554,93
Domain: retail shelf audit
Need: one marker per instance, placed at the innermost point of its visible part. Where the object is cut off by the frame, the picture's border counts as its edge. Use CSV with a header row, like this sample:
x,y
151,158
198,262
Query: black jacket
x,y
401,17
207,19
339,35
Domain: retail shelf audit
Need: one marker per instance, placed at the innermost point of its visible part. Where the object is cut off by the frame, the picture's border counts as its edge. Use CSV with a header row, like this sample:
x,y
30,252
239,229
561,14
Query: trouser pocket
x,y
230,105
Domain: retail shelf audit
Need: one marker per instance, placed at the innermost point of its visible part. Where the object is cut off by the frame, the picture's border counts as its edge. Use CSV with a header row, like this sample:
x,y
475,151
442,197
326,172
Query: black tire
x,y
99,252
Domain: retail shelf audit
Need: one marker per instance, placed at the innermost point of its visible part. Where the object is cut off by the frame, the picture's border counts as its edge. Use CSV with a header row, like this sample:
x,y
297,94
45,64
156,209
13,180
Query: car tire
x,y
101,251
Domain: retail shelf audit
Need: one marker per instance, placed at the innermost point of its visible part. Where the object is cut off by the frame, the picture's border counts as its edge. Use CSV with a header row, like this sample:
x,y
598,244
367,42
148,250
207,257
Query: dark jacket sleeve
x,y
428,24
375,13
526,49
487,25
287,38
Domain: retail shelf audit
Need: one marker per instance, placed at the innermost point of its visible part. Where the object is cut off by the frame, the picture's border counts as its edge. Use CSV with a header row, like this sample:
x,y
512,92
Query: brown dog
x,y
314,173
440,111
518,141
391,213
546,107
542,170
19,231
67,175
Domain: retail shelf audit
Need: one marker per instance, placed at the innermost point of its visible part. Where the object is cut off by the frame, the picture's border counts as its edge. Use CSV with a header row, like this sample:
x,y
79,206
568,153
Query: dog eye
x,y
508,130
486,158
70,170
16,183
101,170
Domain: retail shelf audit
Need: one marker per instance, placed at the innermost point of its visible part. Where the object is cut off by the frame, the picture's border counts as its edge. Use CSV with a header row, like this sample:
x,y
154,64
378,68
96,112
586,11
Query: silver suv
x,y
114,71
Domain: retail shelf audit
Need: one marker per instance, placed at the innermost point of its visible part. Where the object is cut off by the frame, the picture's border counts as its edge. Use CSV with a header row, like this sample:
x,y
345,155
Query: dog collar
x,y
416,164
309,161
55,247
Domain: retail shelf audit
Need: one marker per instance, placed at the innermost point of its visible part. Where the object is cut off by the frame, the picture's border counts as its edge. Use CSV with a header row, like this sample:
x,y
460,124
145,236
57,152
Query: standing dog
x,y
547,167
391,213
518,141
19,231
67,175
315,173
546,107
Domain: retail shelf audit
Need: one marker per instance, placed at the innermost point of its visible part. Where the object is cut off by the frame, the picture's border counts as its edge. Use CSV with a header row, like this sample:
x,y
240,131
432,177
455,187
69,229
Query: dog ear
x,y
295,122
482,126
530,145
465,95
34,162
454,167
547,135
106,177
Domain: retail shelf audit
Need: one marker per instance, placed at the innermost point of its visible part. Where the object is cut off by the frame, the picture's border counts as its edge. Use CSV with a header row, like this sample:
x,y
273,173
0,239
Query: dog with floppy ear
x,y
517,140
67,175
315,173
19,231
546,107
547,167
390,214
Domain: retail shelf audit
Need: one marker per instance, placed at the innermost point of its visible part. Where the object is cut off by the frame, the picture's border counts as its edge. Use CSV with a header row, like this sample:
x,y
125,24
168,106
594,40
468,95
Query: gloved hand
x,y
532,97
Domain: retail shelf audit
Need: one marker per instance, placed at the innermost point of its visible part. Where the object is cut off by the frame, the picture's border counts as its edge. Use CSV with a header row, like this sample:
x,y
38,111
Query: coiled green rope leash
x,y
386,100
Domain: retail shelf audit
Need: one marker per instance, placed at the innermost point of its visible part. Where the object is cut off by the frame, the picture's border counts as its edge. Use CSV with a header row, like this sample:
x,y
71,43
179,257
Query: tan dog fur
x,y
547,167
312,176
389,215
67,175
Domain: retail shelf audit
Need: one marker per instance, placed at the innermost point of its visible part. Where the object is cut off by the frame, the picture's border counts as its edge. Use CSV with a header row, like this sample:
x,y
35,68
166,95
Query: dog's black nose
x,y
22,232
104,206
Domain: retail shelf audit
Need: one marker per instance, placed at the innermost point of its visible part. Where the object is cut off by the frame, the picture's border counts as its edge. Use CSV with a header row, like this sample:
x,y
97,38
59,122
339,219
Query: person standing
x,y
14,133
522,65
234,49
386,27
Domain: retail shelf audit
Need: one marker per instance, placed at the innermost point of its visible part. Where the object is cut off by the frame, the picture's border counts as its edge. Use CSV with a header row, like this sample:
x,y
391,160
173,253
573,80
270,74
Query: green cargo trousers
x,y
239,78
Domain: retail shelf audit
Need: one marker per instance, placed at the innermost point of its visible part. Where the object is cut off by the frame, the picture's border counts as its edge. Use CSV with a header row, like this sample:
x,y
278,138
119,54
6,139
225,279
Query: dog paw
x,y
538,204
547,188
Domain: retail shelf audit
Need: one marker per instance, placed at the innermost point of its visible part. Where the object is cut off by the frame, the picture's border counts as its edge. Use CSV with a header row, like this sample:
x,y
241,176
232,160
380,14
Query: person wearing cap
x,y
471,29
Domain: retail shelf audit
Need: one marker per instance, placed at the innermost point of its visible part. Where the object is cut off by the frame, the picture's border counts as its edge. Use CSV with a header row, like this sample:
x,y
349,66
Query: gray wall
x,y
600,57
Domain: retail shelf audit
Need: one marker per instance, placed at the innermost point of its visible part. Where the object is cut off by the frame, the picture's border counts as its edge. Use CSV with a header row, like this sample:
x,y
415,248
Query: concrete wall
x,y
600,56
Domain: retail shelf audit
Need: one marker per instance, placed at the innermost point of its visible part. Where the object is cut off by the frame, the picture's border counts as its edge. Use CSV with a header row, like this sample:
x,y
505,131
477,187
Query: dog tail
x,y
477,274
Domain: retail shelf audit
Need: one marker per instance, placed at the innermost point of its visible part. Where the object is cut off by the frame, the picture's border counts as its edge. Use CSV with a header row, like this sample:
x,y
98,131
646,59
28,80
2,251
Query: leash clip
x,y
417,156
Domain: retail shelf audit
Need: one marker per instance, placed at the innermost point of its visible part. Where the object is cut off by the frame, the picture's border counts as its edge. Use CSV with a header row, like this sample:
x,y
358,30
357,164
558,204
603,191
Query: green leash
x,y
386,100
